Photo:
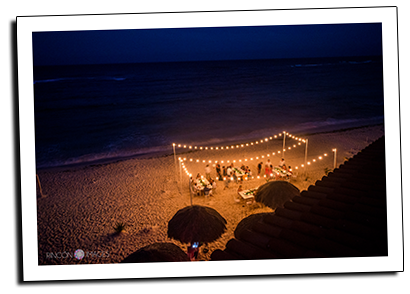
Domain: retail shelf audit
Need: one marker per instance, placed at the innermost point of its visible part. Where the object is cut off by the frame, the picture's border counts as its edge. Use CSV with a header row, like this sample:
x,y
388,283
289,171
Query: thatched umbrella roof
x,y
276,194
157,252
249,222
196,223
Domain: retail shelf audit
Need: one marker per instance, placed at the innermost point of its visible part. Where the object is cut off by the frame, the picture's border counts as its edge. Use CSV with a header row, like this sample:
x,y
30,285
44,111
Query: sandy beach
x,y
81,204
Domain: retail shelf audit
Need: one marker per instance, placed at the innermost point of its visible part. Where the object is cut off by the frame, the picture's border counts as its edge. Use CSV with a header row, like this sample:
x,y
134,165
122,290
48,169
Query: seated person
x,y
282,163
196,190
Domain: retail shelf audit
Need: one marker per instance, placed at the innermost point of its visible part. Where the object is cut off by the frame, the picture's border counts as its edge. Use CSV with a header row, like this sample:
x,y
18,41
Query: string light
x,y
241,144
240,160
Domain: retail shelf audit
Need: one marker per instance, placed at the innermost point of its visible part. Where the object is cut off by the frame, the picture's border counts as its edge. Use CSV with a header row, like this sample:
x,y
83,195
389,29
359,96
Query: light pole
x,y
306,150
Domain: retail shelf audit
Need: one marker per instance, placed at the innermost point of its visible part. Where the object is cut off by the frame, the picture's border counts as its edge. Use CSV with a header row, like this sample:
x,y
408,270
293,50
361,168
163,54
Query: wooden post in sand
x,y
334,158
39,185
306,150
180,169
283,152
175,160
190,189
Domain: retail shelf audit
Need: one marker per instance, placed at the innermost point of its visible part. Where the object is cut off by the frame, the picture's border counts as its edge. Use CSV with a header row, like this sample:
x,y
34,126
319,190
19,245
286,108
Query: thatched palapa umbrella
x,y
276,194
157,252
249,222
196,223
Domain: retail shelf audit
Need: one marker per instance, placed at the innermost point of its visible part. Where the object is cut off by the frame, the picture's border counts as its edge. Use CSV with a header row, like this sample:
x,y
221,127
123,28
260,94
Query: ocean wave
x,y
330,64
80,78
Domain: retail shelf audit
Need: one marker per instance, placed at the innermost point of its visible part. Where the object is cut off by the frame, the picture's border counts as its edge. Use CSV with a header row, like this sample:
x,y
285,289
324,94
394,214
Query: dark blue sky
x,y
192,44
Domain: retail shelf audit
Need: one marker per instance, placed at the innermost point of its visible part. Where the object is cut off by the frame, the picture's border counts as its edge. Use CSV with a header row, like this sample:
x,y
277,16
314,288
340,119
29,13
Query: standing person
x,y
267,167
227,181
225,173
259,167
218,172
207,172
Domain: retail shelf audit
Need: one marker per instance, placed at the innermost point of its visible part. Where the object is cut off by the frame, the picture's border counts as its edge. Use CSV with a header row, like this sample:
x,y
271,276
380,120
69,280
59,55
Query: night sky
x,y
196,44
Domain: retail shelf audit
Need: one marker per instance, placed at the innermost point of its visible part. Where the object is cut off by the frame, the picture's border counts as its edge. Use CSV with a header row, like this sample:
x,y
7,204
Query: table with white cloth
x,y
248,194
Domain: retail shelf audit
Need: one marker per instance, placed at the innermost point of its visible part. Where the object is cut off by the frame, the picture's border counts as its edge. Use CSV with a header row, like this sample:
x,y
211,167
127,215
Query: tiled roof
x,y
342,215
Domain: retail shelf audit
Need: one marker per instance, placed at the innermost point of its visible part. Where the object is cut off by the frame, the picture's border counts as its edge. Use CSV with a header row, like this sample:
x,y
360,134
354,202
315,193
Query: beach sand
x,y
81,204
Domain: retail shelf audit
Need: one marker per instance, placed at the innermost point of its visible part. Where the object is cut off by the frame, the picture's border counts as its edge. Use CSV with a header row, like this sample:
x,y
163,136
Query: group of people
x,y
269,168
198,189
228,174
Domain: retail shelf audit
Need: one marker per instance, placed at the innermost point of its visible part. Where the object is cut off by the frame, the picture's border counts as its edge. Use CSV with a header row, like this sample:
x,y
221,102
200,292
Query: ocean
x,y
86,113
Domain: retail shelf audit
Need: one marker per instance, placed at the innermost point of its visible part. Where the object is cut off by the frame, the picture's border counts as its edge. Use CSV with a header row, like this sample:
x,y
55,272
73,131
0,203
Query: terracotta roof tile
x,y
255,238
278,221
268,229
327,212
289,214
297,206
298,238
319,220
248,251
285,248
218,254
305,200
308,229
360,229
356,242
337,205
342,215
313,194
347,199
